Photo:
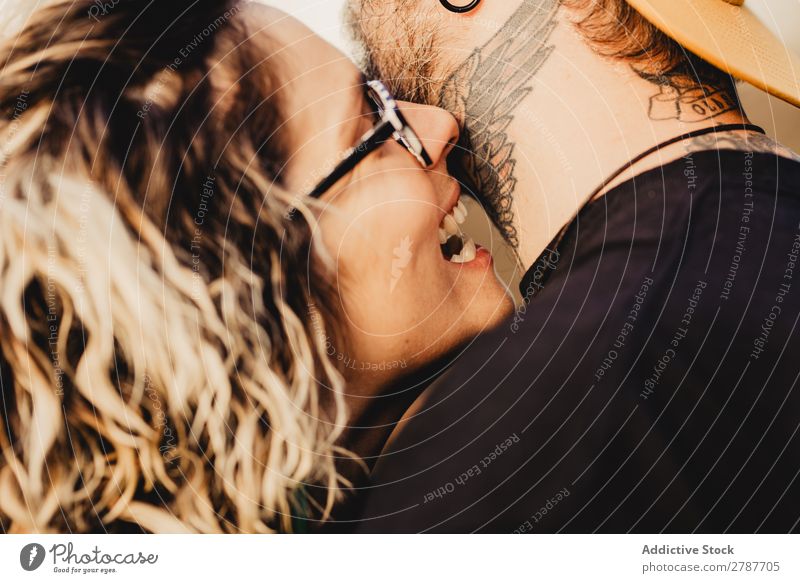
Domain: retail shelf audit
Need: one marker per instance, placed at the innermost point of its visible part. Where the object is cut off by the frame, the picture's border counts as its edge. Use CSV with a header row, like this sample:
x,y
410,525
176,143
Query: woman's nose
x,y
436,128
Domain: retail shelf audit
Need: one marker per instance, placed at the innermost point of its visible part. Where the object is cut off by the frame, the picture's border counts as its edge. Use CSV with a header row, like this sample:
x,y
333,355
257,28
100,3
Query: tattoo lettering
x,y
484,93
743,141
687,101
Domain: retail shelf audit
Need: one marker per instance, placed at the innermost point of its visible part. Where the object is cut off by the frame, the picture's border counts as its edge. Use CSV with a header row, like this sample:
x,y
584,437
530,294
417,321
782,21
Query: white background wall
x,y
323,16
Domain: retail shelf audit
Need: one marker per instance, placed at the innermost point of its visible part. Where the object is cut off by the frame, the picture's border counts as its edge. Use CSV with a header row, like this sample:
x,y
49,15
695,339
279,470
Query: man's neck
x,y
583,118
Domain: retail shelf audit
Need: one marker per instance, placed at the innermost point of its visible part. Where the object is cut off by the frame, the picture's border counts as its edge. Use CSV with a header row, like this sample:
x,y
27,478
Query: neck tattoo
x,y
485,92
686,100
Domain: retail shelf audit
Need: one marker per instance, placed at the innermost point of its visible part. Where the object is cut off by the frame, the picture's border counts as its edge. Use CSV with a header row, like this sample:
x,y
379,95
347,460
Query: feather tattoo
x,y
484,93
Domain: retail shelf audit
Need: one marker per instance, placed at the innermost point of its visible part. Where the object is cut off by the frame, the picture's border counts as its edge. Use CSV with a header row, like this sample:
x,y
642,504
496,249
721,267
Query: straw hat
x,y
729,35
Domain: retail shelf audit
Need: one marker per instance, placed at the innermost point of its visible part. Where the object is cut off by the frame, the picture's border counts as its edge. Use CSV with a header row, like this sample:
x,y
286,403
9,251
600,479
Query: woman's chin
x,y
474,280
483,300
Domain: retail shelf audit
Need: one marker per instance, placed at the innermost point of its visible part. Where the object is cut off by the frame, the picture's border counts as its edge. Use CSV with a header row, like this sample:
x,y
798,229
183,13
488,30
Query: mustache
x,y
390,45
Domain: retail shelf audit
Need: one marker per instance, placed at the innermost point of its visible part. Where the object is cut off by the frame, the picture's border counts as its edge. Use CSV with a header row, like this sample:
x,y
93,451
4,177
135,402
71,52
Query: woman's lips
x,y
483,257
483,260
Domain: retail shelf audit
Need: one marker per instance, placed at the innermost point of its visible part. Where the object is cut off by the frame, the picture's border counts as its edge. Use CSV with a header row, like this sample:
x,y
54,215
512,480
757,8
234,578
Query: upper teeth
x,y
450,225
460,213
450,228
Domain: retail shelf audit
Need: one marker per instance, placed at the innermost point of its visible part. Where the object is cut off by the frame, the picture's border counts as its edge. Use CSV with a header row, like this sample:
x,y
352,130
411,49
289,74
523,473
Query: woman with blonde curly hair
x,y
201,308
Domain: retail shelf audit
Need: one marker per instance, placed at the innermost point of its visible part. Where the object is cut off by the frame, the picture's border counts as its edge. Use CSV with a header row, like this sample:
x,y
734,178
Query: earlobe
x,y
459,6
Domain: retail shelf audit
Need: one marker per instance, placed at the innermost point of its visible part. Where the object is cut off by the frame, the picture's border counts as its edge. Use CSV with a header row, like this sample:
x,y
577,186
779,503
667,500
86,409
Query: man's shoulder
x,y
762,164
767,168
751,144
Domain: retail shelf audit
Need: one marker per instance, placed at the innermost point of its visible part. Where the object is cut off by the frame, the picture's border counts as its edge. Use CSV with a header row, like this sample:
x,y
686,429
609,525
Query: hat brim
x,y
731,38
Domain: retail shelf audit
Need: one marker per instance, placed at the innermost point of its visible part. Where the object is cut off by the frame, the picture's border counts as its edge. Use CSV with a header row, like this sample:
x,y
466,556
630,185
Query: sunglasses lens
x,y
376,101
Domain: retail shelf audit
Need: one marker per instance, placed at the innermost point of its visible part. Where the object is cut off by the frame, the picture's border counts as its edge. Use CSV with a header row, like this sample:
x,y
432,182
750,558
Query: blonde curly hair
x,y
162,319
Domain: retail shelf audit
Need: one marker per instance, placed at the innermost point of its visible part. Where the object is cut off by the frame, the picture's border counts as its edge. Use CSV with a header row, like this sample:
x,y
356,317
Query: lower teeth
x,y
468,253
457,250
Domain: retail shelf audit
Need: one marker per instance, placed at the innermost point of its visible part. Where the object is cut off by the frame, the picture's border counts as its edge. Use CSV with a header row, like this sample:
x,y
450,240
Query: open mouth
x,y
456,246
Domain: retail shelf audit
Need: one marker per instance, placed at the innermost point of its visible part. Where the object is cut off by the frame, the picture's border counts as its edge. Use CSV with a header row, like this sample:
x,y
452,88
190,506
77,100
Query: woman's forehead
x,y
302,49
321,89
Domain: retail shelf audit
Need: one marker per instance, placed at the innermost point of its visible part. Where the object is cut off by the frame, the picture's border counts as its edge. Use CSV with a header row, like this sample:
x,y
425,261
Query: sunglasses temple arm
x,y
366,146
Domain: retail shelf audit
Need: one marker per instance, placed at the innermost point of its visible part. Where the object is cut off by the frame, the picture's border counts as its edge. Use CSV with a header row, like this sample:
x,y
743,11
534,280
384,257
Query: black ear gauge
x,y
459,6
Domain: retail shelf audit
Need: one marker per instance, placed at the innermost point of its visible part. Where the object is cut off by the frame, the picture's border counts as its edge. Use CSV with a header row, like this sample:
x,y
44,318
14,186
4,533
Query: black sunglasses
x,y
391,124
